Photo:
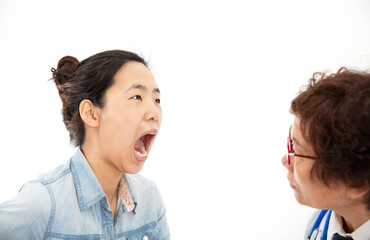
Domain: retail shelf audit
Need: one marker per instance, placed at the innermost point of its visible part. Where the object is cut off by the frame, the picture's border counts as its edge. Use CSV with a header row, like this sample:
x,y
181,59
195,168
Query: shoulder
x,y
54,175
28,213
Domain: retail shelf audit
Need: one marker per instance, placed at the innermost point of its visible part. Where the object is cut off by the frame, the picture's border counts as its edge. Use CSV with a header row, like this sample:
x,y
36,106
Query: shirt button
x,y
145,238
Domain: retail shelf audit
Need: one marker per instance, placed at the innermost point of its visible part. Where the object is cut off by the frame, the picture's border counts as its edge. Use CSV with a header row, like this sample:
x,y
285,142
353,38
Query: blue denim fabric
x,y
69,203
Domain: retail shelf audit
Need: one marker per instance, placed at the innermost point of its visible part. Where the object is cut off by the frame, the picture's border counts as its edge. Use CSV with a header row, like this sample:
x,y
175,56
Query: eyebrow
x,y
141,87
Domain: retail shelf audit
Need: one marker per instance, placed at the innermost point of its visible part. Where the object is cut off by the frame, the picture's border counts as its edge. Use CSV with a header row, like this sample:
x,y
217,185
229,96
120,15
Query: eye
x,y
137,97
293,148
158,100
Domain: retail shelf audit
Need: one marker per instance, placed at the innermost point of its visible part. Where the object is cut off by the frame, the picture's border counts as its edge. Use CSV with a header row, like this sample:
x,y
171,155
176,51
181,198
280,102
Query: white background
x,y
227,71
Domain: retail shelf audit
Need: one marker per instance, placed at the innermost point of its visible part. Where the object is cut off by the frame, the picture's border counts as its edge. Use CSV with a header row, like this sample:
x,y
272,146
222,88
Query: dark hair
x,y
335,119
88,79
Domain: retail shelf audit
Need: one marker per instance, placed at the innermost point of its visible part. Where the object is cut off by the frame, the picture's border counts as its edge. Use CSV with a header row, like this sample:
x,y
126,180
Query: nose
x,y
284,161
154,112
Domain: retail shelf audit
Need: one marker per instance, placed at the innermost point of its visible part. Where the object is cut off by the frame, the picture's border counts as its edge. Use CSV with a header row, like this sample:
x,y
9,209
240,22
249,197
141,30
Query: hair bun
x,y
66,66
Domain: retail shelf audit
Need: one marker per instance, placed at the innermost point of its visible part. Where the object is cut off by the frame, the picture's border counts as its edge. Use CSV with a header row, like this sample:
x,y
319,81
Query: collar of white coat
x,y
336,226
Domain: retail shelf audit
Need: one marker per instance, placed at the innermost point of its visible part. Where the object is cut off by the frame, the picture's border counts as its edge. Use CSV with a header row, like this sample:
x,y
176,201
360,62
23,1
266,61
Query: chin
x,y
299,199
136,168
309,203
134,171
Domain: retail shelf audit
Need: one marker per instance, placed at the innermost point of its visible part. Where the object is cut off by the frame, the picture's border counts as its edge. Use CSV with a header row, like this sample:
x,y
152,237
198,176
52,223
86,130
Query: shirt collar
x,y
363,232
126,196
336,226
87,185
88,188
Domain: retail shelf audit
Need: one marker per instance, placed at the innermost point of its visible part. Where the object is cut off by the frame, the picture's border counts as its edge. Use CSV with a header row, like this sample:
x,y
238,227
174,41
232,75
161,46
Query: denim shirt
x,y
69,203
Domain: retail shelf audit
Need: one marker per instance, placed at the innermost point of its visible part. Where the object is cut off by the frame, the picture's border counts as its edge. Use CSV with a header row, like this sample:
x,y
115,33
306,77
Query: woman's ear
x,y
89,113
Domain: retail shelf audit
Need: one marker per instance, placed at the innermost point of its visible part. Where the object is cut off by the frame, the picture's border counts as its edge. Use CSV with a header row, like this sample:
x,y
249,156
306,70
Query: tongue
x,y
138,145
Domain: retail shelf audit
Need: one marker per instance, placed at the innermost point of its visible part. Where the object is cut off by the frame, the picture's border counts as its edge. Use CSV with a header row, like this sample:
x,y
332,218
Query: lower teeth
x,y
143,152
143,149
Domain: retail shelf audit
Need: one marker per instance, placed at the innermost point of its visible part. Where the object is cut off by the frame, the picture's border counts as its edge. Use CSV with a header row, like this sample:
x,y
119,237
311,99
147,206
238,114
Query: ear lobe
x,y
357,193
89,113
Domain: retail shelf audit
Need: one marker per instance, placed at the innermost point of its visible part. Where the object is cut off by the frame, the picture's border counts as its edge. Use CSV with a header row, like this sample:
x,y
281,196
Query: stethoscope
x,y
315,228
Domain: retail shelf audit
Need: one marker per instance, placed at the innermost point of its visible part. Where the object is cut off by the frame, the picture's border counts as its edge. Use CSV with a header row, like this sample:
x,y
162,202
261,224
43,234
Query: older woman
x,y
111,108
328,158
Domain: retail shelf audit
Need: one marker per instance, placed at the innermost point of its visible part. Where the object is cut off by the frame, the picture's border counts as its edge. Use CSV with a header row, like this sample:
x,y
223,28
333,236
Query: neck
x,y
354,216
107,174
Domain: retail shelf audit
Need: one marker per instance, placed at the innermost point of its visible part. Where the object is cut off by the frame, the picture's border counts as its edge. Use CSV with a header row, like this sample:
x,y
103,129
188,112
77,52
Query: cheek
x,y
129,121
118,127
302,177
121,117
313,192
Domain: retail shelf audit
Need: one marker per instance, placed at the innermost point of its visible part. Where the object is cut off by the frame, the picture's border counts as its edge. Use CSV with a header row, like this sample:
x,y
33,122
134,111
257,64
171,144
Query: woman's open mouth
x,y
142,145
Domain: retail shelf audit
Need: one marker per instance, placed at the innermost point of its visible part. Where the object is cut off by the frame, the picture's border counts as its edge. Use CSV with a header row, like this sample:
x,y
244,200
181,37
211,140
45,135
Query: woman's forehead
x,y
135,74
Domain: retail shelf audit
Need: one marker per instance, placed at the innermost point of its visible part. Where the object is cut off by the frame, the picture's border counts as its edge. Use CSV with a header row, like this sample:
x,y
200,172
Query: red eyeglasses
x,y
291,151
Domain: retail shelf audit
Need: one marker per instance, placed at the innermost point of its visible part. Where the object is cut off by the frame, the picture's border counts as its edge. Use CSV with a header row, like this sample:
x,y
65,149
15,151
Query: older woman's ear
x,y
357,193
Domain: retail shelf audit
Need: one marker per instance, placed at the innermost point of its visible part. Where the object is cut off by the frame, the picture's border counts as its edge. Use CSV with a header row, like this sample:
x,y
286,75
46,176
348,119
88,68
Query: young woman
x,y
328,158
111,108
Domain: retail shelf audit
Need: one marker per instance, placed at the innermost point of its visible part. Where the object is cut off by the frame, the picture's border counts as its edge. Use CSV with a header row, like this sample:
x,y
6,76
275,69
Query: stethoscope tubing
x,y
317,223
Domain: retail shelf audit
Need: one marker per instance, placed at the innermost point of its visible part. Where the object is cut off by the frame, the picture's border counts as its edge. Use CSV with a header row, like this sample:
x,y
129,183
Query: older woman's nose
x,y
284,161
